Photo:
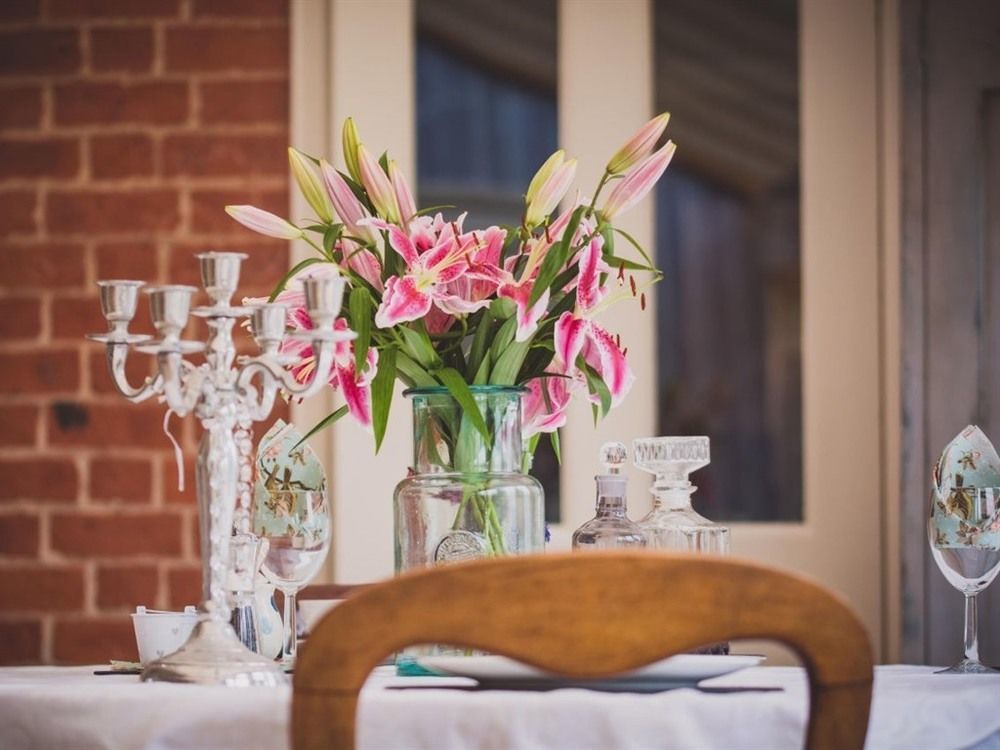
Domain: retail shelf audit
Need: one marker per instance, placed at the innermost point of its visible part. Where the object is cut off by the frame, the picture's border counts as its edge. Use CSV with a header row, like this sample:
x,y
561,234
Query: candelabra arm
x,y
117,356
182,382
274,375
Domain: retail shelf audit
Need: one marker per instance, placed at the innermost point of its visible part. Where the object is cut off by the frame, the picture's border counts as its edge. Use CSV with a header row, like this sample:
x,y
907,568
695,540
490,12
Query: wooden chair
x,y
555,611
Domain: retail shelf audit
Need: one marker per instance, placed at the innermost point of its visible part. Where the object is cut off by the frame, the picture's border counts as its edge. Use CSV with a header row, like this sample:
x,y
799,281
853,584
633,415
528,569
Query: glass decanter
x,y
611,527
673,524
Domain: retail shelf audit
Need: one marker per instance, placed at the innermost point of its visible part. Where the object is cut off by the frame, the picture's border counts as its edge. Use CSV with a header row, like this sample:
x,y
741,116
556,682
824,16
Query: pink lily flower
x,y
552,191
264,222
362,261
404,196
639,145
544,405
576,333
638,181
378,186
426,282
349,209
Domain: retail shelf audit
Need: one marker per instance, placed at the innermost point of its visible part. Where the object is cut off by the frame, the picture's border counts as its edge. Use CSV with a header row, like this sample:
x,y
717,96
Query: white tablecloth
x,y
52,707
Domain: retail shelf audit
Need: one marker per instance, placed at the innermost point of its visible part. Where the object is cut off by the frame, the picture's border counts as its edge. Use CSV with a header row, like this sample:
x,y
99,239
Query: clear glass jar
x,y
467,496
610,528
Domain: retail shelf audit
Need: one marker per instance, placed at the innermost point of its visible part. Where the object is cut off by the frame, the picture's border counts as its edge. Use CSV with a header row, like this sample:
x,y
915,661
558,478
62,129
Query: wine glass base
x,y
968,667
213,655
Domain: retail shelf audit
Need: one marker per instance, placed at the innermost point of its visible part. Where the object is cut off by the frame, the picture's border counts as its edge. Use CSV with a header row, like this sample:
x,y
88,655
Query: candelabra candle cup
x,y
324,295
119,299
220,275
169,306
268,325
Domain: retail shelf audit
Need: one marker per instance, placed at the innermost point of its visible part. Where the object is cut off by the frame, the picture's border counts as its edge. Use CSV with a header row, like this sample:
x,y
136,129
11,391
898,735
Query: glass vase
x,y
467,496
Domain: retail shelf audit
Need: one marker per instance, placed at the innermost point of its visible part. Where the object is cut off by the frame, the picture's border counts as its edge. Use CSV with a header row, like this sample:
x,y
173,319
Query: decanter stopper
x,y
611,527
613,457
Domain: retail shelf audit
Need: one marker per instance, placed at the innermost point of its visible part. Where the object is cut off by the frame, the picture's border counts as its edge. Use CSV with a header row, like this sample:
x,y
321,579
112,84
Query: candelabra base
x,y
214,655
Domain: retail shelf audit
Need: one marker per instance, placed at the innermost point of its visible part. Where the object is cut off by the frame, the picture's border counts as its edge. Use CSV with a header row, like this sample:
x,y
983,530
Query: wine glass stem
x,y
289,643
971,629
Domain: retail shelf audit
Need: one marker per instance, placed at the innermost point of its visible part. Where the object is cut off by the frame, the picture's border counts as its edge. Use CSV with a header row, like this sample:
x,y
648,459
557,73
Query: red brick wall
x,y
125,126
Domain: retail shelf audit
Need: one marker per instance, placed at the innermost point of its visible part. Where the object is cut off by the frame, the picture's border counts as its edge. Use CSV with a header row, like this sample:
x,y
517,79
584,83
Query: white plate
x,y
676,671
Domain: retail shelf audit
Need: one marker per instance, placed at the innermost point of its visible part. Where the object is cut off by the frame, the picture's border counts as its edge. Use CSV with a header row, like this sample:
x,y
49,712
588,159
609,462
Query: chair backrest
x,y
555,611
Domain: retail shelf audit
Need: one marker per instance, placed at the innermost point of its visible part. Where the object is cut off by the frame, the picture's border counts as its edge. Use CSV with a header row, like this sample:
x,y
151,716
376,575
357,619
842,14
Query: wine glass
x,y
964,535
295,527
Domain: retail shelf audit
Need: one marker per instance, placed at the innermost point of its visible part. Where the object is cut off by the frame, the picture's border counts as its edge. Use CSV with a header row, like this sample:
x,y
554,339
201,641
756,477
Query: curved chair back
x,y
555,612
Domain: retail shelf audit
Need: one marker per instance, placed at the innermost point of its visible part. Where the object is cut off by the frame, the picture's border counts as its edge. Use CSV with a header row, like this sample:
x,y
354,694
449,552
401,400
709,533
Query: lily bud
x,y
639,146
351,141
264,222
377,184
404,196
639,181
309,184
345,202
544,172
550,193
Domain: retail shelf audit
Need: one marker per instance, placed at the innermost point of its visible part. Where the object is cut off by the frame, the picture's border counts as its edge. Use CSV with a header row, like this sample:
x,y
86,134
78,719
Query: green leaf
x,y
483,373
480,341
554,440
360,306
301,265
325,422
503,338
509,363
417,375
615,262
419,346
432,209
382,385
556,257
330,237
596,385
635,244
452,380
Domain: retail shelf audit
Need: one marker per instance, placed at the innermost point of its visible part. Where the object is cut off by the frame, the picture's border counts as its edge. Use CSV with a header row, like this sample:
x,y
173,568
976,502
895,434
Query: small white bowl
x,y
159,633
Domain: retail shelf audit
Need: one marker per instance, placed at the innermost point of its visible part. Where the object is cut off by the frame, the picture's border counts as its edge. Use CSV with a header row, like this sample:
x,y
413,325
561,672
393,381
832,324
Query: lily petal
x,y
401,302
264,222
527,317
377,184
638,181
603,354
591,265
404,196
569,338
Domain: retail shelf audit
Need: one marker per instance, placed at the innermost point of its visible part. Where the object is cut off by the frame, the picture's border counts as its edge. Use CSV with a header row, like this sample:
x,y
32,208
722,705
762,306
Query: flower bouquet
x,y
493,330
438,305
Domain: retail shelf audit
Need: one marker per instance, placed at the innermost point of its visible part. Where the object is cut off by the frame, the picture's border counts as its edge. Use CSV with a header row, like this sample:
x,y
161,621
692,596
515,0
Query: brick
x,y
20,318
208,213
114,9
116,535
137,367
111,211
227,48
184,587
126,260
244,102
17,211
38,479
33,588
241,8
19,534
37,52
39,157
22,106
107,425
129,480
20,642
132,586
155,103
266,264
54,264
19,10
93,641
118,48
20,425
75,317
128,155
236,155
47,371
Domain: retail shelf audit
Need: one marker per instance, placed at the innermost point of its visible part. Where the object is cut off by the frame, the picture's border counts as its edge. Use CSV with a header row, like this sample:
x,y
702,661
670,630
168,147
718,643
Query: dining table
x,y
760,707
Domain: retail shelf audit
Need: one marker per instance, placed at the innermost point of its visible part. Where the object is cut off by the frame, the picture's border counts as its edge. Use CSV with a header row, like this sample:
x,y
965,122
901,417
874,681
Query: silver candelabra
x,y
226,395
